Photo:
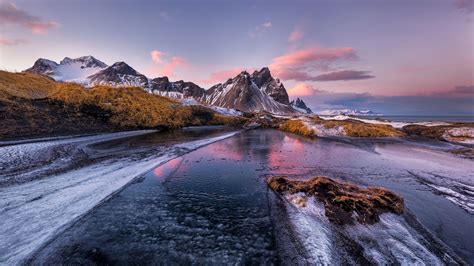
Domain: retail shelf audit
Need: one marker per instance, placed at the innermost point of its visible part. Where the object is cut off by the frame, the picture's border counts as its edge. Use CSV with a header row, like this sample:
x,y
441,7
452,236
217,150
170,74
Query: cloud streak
x,y
296,35
156,56
302,90
465,6
258,30
301,65
11,14
10,42
456,101
343,75
166,67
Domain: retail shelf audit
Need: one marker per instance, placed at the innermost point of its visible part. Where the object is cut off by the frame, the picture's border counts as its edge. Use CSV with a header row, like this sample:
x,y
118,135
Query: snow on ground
x,y
34,158
226,111
32,213
322,131
218,109
460,134
383,122
392,241
313,230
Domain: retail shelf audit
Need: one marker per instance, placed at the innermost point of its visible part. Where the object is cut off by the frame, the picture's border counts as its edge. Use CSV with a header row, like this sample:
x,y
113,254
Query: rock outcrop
x,y
344,203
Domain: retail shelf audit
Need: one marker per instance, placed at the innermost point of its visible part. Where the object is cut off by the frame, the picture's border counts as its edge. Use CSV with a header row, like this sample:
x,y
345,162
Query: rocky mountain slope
x,y
300,106
251,93
353,112
254,92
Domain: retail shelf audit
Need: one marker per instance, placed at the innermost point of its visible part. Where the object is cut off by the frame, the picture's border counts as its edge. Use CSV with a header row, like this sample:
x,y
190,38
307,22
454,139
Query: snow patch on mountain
x,y
354,112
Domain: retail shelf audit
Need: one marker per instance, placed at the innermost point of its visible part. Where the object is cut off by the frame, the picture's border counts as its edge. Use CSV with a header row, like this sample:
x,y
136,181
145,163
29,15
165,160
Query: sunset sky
x,y
394,57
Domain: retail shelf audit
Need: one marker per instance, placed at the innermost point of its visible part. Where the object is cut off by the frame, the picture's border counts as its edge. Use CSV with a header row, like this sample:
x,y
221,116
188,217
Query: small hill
x,y
32,105
24,85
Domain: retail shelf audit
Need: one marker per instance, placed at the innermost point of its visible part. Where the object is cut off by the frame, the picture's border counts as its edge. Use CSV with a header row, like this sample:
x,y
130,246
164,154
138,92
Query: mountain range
x,y
353,112
246,92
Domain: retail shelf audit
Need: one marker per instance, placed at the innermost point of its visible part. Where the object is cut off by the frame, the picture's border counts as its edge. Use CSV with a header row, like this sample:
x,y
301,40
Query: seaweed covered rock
x,y
456,132
343,202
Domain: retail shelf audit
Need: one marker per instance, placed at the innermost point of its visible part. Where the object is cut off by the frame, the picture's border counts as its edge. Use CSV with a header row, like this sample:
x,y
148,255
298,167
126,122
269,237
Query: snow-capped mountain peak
x,y
69,69
300,106
43,66
354,112
254,92
85,62
250,93
118,74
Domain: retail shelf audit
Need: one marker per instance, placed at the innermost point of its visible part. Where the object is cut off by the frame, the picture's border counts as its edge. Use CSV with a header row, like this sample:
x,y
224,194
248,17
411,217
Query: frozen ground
x,y
382,122
48,184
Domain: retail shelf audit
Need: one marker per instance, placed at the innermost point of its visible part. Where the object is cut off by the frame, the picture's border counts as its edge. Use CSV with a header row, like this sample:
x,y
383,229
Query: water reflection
x,y
212,205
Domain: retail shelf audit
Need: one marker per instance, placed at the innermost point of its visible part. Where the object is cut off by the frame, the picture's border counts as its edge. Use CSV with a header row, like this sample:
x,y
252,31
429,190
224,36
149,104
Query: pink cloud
x,y
156,56
301,90
300,65
165,66
9,42
170,67
11,14
313,55
296,35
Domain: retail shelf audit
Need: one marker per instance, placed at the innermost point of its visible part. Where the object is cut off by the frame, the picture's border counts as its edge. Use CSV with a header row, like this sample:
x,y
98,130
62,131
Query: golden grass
x,y
354,128
297,127
133,107
24,85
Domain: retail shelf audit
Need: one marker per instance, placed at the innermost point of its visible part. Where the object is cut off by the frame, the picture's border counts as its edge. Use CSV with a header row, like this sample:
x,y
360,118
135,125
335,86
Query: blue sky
x,y
402,53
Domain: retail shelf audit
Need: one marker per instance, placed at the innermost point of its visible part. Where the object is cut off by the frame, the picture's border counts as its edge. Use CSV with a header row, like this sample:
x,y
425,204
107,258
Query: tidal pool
x,y
212,206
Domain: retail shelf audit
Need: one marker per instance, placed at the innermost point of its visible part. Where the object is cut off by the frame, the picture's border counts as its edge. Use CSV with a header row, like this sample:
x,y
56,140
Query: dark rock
x,y
342,200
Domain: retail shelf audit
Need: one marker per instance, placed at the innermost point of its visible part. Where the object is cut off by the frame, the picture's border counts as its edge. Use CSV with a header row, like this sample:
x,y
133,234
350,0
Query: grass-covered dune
x,y
35,105
315,126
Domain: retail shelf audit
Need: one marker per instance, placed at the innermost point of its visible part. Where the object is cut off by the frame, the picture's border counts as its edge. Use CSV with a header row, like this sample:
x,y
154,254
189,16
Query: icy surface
x,y
33,212
392,241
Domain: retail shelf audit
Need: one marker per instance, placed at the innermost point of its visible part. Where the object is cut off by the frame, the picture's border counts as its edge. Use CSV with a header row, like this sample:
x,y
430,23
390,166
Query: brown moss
x,y
341,200
297,127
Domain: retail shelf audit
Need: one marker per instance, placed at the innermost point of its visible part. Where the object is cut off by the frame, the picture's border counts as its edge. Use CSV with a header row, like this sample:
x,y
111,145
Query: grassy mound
x,y
355,128
342,200
297,127
24,85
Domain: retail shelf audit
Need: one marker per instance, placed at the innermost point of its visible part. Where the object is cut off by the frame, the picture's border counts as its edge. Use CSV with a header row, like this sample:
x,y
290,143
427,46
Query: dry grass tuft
x,y
24,85
354,128
297,127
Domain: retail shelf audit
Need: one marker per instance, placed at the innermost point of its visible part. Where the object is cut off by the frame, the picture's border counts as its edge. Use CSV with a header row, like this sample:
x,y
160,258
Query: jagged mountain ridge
x,y
243,93
254,92
300,106
354,112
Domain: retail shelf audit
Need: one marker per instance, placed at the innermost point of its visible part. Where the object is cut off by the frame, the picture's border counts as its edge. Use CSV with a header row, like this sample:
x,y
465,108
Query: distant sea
x,y
397,118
